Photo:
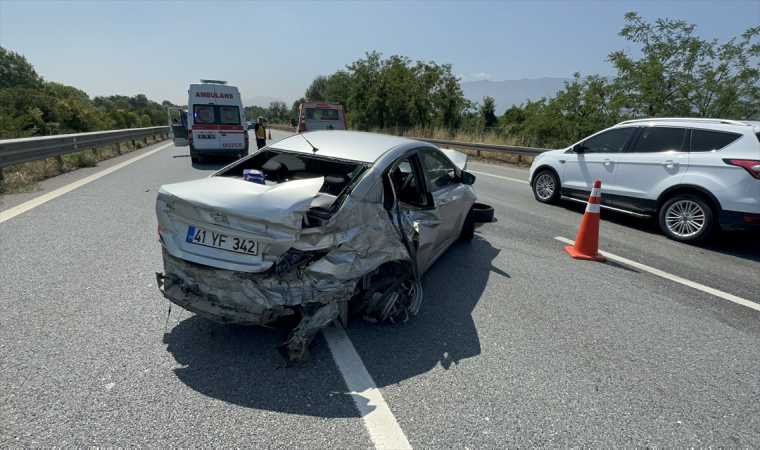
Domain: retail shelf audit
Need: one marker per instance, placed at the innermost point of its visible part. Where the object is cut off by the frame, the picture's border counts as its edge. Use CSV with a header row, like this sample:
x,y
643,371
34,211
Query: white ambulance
x,y
321,116
215,121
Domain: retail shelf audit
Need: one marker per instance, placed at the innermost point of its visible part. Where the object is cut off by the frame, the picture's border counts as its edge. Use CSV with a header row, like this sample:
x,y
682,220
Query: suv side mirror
x,y
467,178
578,148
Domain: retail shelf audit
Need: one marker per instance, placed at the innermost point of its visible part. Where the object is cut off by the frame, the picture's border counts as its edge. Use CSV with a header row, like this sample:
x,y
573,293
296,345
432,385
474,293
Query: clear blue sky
x,y
275,49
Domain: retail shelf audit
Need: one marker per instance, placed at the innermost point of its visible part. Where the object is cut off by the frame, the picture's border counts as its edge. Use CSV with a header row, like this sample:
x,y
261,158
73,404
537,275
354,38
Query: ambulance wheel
x,y
194,159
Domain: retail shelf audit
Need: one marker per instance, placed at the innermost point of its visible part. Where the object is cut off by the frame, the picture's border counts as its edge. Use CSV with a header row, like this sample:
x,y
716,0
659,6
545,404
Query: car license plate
x,y
228,242
206,136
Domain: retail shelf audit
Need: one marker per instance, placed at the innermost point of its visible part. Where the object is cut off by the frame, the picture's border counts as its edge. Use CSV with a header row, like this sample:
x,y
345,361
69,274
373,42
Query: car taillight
x,y
190,136
245,135
752,219
752,166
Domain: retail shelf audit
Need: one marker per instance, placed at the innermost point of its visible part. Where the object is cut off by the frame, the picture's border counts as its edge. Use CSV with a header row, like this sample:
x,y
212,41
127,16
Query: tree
x,y
338,87
15,70
393,91
488,111
315,91
679,74
278,112
296,106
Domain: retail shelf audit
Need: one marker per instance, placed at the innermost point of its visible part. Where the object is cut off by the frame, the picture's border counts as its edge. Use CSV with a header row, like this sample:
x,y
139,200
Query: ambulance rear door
x,y
177,126
204,122
231,119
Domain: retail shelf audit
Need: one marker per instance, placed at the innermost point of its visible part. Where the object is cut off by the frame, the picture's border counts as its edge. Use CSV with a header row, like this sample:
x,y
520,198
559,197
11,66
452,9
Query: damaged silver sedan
x,y
321,225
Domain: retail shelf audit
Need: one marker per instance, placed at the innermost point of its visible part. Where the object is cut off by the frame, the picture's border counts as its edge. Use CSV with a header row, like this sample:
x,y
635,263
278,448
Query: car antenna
x,y
315,149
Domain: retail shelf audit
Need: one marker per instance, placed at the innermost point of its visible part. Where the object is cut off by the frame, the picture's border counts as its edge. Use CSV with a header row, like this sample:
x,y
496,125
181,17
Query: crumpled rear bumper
x,y
229,296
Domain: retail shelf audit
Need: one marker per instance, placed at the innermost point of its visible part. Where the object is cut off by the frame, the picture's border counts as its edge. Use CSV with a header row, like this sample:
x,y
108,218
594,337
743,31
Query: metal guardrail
x,y
493,148
17,151
508,149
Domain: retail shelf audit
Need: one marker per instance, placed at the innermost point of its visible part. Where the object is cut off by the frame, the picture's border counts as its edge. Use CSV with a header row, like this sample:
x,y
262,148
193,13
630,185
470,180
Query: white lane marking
x,y
378,418
499,176
24,207
677,279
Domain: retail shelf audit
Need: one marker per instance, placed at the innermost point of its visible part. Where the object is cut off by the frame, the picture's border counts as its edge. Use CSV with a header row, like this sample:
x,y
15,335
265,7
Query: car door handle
x,y
670,164
444,201
607,162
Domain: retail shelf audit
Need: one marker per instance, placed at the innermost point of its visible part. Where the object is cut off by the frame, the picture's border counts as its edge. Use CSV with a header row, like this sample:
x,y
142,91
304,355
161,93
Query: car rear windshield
x,y
216,115
710,141
321,114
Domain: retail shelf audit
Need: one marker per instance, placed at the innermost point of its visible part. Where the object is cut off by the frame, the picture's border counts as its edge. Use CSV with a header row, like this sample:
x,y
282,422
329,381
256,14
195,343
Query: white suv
x,y
692,174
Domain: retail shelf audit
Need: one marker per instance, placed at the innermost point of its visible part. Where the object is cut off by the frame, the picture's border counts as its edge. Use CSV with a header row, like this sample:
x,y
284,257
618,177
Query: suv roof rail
x,y
687,119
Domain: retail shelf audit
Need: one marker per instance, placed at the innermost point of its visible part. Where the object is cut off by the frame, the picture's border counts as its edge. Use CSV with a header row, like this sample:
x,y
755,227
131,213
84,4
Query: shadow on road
x,y
443,333
741,244
241,365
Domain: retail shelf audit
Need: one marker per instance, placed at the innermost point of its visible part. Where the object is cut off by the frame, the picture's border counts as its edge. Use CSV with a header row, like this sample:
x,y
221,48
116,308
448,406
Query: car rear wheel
x,y
468,229
686,218
546,187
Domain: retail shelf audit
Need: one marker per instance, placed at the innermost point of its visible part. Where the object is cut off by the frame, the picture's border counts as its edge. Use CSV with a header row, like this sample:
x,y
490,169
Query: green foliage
x,y
316,89
31,106
15,71
488,111
394,92
677,74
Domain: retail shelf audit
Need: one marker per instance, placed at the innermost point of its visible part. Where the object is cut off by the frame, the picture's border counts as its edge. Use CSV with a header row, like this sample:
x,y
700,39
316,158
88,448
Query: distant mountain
x,y
512,92
260,101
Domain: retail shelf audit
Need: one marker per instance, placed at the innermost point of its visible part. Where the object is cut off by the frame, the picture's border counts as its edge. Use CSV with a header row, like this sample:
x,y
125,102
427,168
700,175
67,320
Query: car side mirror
x,y
468,178
578,148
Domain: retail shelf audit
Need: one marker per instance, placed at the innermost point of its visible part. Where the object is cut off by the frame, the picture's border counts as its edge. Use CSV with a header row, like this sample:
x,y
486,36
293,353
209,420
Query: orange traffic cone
x,y
587,242
270,136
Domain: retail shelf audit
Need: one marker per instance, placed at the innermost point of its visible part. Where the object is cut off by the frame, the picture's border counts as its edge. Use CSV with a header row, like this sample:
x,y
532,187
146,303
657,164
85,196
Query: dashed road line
x,y
677,279
26,206
383,429
499,176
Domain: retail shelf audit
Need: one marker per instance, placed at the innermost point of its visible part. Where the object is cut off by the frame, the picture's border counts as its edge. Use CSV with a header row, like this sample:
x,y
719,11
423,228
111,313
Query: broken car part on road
x,y
349,228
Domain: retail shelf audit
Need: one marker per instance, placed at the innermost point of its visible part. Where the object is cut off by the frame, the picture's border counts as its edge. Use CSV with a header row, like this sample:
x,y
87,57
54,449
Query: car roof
x,y
350,145
681,121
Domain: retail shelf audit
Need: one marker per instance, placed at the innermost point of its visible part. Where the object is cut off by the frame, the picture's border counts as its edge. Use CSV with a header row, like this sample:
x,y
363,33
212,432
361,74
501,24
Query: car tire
x,y
546,187
468,228
686,218
194,159
482,213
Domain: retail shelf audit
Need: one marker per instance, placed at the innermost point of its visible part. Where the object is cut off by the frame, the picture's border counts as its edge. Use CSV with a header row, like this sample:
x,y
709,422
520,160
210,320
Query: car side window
x,y
612,141
439,170
710,141
406,182
661,139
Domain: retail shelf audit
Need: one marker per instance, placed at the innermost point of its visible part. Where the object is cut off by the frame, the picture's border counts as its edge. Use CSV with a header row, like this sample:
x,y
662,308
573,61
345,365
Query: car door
x,y
657,158
177,126
596,158
449,197
414,209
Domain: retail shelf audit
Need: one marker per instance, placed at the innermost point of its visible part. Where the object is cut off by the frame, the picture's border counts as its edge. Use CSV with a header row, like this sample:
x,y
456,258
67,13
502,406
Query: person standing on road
x,y
259,129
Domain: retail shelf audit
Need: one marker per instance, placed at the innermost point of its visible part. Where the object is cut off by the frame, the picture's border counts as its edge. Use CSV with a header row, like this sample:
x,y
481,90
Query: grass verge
x,y
24,177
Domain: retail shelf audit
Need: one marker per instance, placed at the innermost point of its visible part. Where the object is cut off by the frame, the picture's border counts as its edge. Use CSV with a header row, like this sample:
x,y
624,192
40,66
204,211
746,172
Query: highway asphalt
x,y
516,344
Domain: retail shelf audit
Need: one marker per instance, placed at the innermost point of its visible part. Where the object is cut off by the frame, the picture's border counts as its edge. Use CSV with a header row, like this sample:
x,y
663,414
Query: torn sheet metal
x,y
245,298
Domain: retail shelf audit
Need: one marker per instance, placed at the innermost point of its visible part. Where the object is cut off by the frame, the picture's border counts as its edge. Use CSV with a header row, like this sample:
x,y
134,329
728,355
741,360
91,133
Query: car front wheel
x,y
686,218
546,187
468,228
